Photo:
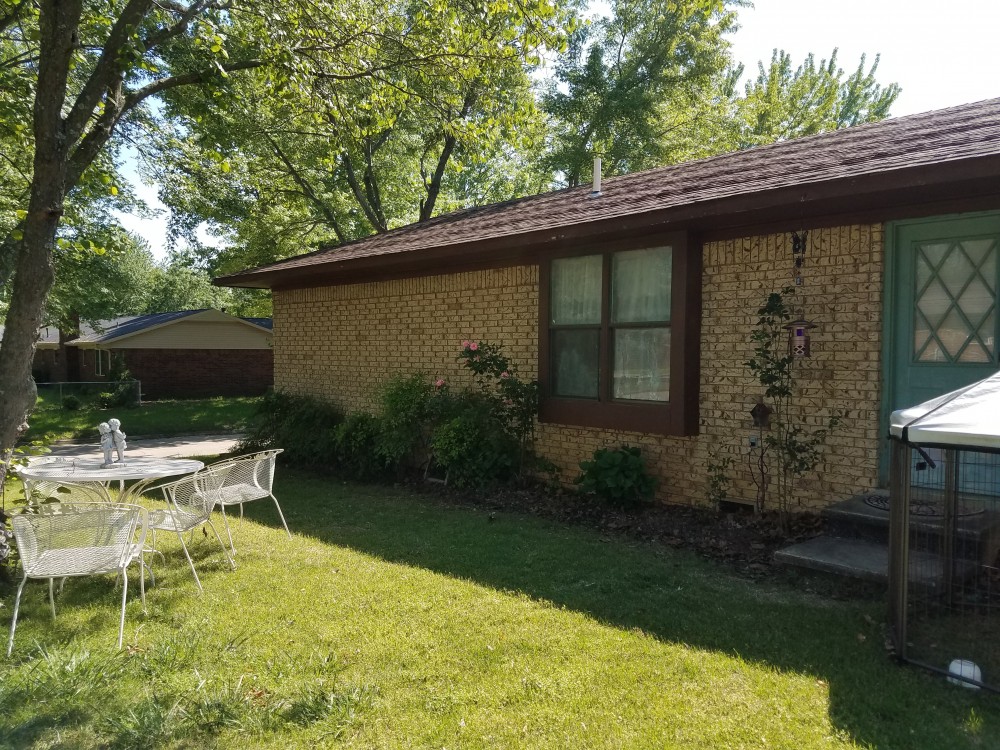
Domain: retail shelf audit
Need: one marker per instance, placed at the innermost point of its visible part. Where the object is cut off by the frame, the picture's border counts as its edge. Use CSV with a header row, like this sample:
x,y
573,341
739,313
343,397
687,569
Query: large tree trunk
x,y
34,274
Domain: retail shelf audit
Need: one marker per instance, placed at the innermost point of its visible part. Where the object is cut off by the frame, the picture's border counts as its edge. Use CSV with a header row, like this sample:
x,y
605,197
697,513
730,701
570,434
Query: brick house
x,y
634,307
189,353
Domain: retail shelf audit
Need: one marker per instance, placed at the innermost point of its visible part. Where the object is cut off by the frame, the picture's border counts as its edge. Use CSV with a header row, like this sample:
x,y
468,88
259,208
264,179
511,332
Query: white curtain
x,y
576,290
640,285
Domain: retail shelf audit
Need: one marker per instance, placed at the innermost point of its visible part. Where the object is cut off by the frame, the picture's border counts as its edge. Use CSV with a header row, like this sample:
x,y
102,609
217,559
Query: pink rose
x,y
465,343
504,374
439,383
473,346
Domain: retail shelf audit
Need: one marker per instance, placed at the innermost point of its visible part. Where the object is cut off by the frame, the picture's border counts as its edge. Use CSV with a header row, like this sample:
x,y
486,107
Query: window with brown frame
x,y
618,340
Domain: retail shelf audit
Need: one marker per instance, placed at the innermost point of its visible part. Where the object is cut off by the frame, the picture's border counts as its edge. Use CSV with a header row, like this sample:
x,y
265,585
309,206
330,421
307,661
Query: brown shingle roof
x,y
926,140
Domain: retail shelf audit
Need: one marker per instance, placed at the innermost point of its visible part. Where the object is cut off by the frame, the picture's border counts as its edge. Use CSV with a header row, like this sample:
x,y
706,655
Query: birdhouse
x,y
761,415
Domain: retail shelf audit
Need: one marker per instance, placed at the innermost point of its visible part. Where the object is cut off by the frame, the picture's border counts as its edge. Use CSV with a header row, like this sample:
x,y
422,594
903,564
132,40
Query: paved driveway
x,y
180,446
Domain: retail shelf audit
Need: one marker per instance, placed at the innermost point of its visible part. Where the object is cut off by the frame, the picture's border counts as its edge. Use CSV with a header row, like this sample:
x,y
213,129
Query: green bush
x,y
515,401
125,394
618,476
355,441
304,426
125,388
472,444
406,420
71,403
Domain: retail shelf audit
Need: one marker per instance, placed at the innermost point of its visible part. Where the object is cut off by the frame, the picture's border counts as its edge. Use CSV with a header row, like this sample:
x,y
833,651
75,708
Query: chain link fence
x,y
76,395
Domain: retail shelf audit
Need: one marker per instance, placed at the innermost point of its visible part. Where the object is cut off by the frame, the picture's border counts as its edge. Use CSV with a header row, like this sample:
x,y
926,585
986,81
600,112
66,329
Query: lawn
x,y
394,620
50,421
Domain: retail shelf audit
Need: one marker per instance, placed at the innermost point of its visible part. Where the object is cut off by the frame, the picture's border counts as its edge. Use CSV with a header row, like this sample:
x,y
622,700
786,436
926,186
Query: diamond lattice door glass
x,y
954,317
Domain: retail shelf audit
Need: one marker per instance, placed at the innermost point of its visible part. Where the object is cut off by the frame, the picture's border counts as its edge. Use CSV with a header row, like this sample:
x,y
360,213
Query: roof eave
x,y
875,194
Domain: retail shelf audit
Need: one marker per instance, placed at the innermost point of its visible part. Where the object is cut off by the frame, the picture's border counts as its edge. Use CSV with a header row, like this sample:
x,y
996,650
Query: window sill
x,y
650,418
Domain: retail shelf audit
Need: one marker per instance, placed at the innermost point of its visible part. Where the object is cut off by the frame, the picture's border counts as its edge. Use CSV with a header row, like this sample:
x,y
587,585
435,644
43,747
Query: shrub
x,y
514,401
355,441
71,403
125,388
618,475
125,394
406,420
304,426
472,444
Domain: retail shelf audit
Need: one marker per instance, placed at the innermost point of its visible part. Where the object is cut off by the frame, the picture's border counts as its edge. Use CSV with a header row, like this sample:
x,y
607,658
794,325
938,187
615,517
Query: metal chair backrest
x,y
81,539
253,469
198,493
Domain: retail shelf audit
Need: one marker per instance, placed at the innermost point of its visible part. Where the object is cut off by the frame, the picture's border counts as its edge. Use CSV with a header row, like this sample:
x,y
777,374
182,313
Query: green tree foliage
x,y
100,281
785,102
89,70
279,172
653,84
178,287
628,82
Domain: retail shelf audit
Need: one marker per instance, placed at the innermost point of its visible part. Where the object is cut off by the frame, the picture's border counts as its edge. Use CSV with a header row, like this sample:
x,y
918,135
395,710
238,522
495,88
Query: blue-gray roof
x,y
119,327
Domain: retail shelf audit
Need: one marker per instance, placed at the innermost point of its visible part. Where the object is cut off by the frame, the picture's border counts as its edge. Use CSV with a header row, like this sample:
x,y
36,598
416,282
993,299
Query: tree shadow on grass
x,y
669,594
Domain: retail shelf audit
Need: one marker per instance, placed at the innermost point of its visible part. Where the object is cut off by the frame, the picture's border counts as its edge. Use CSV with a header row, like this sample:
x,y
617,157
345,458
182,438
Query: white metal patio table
x,y
80,470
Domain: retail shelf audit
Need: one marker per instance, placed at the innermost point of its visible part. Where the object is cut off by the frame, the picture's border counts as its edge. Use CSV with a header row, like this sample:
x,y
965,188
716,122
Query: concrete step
x,y
855,518
867,560
977,531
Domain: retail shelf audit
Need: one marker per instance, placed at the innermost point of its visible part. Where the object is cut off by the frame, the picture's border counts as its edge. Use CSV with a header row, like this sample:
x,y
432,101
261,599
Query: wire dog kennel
x,y
944,539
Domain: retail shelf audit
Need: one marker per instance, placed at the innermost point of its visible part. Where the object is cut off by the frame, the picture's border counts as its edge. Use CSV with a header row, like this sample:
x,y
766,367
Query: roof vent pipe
x,y
596,190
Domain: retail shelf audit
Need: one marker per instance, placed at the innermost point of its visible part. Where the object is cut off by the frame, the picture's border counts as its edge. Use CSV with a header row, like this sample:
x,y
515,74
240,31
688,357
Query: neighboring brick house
x,y
901,275
186,354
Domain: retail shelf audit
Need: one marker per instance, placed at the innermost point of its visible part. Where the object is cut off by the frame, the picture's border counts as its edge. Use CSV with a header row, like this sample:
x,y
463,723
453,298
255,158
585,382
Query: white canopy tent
x,y
967,417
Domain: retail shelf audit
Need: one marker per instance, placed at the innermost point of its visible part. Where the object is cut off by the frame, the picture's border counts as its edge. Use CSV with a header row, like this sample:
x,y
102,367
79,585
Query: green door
x,y
944,321
942,318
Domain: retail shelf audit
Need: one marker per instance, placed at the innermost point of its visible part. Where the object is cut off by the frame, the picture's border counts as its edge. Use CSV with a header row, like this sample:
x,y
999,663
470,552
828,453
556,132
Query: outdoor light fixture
x,y
798,337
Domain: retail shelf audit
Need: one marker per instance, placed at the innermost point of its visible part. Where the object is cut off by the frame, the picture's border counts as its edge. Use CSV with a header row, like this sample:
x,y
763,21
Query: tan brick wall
x,y
340,343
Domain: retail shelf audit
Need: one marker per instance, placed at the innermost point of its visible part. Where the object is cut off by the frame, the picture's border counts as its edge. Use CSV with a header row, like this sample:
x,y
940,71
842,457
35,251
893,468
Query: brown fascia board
x,y
963,184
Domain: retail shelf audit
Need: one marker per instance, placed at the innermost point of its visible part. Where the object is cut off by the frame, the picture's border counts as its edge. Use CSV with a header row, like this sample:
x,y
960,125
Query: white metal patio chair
x,y
80,539
190,501
249,477
56,496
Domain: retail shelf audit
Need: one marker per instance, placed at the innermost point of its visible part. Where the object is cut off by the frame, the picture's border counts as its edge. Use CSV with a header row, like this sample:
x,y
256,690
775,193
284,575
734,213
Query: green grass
x,y
393,621
49,421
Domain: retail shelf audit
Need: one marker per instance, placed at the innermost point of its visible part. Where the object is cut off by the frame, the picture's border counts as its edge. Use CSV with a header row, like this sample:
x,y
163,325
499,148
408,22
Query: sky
x,y
941,53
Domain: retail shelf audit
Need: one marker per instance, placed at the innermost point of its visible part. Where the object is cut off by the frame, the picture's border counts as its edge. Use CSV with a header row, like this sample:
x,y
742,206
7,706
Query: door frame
x,y
890,297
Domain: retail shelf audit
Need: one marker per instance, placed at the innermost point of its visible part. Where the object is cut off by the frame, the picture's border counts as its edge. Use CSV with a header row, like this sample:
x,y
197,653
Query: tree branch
x,y
371,178
450,141
28,57
108,68
359,193
186,15
12,16
186,79
307,189
95,139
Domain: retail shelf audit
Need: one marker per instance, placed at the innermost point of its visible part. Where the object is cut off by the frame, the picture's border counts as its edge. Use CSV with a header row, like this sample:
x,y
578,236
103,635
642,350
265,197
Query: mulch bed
x,y
740,539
